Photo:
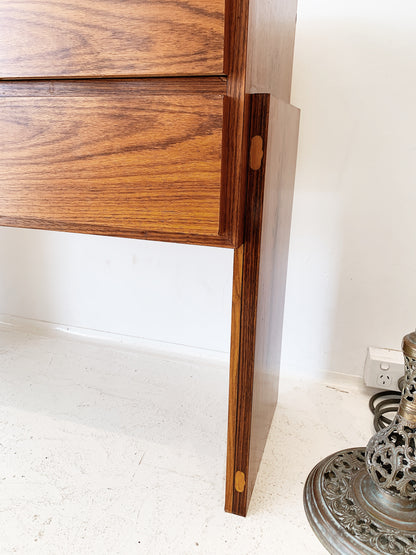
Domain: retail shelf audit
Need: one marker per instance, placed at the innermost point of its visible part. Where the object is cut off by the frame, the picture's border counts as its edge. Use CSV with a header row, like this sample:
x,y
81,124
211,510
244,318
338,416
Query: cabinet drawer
x,y
117,157
107,38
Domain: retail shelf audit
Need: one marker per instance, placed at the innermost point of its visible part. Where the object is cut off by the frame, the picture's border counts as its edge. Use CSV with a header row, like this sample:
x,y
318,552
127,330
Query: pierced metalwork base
x,y
351,515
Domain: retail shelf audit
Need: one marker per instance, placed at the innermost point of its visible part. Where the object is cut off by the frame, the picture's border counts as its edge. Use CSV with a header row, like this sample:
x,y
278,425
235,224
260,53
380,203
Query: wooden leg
x,y
259,281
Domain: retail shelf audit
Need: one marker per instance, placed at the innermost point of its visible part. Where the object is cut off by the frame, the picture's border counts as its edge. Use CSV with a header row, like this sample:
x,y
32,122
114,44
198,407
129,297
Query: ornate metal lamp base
x,y
351,515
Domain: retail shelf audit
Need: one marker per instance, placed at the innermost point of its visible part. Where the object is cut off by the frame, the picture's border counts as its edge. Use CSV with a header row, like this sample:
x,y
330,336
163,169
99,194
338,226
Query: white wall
x,y
159,291
352,269
352,263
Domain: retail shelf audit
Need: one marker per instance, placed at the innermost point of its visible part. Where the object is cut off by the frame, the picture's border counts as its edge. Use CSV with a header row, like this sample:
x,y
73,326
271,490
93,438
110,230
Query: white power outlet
x,y
383,368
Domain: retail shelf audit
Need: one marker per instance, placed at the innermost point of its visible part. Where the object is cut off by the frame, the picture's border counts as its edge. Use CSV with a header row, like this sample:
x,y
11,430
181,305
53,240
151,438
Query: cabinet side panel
x,y
271,37
258,56
258,295
245,281
277,213
235,121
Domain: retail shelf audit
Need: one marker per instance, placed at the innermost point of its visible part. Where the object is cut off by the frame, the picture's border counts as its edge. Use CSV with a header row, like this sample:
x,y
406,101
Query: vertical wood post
x,y
259,280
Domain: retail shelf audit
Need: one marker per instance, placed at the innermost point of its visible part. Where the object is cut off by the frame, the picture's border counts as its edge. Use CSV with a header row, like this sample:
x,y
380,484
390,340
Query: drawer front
x,y
52,38
117,157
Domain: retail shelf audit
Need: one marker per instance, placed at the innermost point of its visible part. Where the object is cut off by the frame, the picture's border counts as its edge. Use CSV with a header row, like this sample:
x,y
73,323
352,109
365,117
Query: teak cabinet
x,y
167,121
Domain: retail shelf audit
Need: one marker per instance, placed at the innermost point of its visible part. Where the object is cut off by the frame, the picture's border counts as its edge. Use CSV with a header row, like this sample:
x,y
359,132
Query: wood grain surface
x,y
235,121
233,385
103,38
271,38
258,57
163,158
120,156
258,294
244,312
274,252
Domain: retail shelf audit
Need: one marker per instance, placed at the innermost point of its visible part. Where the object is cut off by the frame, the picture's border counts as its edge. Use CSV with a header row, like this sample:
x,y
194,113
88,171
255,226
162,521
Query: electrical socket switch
x,y
383,368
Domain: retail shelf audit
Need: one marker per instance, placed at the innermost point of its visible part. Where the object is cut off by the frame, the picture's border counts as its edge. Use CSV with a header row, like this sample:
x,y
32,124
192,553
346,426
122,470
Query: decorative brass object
x,y
362,501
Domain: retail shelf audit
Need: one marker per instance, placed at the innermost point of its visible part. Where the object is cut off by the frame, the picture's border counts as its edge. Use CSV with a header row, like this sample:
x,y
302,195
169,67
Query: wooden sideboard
x,y
168,121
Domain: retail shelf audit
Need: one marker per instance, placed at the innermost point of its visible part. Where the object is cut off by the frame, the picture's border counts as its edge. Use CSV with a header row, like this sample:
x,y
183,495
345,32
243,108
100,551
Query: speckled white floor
x,y
106,450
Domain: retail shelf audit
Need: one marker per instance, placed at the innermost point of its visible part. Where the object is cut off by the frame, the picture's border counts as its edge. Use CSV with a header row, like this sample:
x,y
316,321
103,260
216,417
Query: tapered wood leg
x,y
259,281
